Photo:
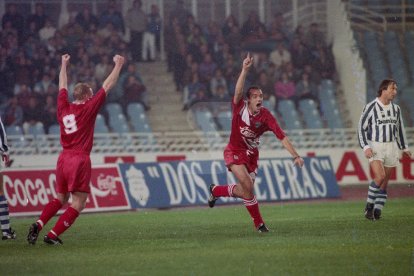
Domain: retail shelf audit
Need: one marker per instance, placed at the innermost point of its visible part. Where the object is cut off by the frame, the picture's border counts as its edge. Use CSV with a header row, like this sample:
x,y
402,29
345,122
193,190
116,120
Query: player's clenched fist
x,y
65,58
119,59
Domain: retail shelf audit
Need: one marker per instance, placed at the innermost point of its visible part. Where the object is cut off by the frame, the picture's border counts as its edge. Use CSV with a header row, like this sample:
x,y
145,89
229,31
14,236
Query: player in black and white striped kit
x,y
6,230
380,132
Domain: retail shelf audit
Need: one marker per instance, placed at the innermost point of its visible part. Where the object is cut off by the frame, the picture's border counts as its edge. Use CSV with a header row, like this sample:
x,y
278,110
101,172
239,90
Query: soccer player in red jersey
x,y
73,170
249,121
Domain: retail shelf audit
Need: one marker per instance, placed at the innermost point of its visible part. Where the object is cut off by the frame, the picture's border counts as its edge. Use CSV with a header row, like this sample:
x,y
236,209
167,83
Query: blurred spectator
x,y
267,88
134,92
15,19
300,34
278,30
38,17
136,21
86,19
191,90
42,86
49,112
13,113
252,28
179,12
154,25
103,68
32,114
314,36
218,82
314,76
151,33
300,54
47,31
228,25
23,70
280,55
113,16
306,89
323,62
284,88
207,68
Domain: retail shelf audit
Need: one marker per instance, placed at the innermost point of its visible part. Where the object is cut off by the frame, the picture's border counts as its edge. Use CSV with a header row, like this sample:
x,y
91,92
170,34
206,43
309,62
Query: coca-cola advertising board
x,y
28,191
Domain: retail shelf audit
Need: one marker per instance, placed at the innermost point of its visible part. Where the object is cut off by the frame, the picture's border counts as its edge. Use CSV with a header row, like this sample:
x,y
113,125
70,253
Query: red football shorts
x,y
73,172
241,157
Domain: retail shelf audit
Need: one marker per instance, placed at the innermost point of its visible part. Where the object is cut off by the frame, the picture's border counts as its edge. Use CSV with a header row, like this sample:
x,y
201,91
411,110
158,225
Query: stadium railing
x,y
187,141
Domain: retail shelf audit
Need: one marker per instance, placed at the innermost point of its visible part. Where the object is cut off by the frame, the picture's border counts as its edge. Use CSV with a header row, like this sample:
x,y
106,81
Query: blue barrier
x,y
185,183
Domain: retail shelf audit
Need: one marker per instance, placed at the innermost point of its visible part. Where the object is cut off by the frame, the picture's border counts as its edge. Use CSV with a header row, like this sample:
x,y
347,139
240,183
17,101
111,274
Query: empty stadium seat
x,y
310,113
54,129
113,108
290,116
224,119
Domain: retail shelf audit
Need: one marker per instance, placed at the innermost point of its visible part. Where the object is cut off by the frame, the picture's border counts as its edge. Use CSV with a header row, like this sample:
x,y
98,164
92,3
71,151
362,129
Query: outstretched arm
x,y
114,75
63,78
297,160
238,94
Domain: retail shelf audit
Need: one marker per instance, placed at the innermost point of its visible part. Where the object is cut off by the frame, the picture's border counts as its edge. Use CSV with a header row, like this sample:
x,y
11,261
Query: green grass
x,y
329,238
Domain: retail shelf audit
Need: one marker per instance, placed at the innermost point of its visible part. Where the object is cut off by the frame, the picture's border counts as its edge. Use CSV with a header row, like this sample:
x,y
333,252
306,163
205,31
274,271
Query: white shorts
x,y
387,153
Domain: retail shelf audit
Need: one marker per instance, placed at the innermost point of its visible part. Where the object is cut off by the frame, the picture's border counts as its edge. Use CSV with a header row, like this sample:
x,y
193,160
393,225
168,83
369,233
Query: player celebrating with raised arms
x,y
380,131
249,121
73,170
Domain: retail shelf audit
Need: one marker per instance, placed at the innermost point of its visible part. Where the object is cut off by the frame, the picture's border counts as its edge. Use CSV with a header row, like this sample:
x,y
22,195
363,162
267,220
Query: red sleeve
x,y
273,125
62,101
97,101
237,107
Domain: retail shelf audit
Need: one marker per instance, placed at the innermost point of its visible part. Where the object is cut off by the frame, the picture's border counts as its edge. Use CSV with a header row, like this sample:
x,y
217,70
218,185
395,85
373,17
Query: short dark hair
x,y
384,85
249,90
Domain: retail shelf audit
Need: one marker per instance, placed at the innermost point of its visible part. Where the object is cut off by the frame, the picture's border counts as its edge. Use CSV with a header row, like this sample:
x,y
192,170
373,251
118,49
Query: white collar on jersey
x,y
246,114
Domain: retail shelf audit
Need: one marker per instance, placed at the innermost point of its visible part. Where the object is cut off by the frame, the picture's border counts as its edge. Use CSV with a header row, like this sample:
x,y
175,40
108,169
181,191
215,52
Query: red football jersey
x,y
246,128
77,121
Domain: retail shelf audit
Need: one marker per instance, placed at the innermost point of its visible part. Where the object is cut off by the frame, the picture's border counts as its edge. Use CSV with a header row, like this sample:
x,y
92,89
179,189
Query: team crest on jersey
x,y
235,157
257,124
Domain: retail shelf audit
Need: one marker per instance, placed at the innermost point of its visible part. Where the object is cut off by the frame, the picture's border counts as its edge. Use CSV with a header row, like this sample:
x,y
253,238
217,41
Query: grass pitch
x,y
328,238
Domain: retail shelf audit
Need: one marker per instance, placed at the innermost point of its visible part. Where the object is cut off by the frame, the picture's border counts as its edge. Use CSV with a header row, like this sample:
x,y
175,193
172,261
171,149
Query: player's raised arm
x,y
63,78
114,75
238,94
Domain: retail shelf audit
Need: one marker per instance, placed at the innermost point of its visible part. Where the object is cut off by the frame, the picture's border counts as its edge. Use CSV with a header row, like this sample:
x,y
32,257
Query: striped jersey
x,y
3,139
381,123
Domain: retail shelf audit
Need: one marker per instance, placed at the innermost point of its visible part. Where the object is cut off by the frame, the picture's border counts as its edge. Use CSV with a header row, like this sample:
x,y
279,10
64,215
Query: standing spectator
x,y
137,23
102,69
267,87
278,30
154,25
323,62
228,25
73,172
7,232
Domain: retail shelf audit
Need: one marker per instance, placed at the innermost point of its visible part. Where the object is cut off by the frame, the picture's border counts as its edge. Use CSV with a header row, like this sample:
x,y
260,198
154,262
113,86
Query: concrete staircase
x,y
166,113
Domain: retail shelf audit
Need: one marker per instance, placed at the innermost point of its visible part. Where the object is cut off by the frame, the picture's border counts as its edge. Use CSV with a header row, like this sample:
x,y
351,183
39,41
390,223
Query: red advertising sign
x,y
28,191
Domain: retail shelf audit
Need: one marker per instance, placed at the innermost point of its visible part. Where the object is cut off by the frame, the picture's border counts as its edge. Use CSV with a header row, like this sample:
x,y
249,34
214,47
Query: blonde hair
x,y
81,91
